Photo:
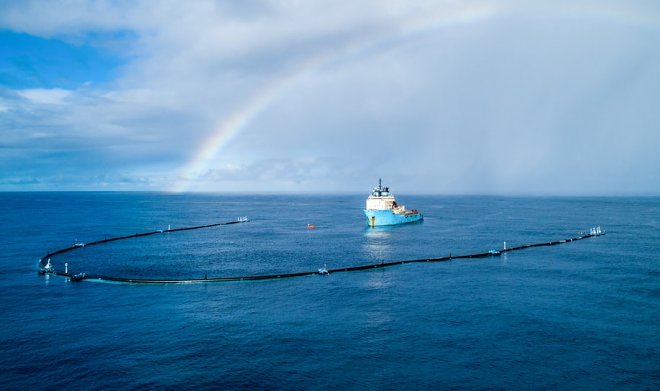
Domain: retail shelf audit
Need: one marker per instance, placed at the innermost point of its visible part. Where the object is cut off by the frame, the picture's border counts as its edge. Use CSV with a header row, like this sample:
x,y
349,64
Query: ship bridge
x,y
381,198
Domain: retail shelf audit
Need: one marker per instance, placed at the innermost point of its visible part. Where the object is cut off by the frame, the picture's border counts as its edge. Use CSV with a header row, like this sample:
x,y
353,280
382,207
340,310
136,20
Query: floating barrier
x,y
48,268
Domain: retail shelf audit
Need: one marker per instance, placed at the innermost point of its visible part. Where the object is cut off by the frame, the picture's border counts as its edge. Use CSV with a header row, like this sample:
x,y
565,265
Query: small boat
x,y
46,269
311,226
382,209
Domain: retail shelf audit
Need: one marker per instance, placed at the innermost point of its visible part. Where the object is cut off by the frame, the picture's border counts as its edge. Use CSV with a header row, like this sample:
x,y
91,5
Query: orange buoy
x,y
311,226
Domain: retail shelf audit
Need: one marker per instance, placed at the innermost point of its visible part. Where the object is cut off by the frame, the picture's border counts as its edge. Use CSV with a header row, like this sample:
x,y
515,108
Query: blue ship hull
x,y
377,218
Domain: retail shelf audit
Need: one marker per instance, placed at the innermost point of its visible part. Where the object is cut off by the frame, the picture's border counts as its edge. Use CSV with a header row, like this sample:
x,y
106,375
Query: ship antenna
x,y
380,186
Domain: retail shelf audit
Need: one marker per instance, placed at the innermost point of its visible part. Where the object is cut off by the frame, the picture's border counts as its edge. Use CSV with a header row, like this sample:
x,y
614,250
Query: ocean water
x,y
582,315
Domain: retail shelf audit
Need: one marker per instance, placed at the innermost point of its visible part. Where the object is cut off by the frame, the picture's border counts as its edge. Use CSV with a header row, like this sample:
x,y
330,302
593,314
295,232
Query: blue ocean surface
x,y
580,315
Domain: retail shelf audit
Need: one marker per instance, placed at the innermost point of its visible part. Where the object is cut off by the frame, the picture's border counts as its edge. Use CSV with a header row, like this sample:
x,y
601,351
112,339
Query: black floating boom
x,y
47,268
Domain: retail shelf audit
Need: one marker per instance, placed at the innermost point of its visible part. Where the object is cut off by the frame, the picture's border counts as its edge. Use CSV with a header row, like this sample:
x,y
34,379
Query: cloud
x,y
450,97
52,96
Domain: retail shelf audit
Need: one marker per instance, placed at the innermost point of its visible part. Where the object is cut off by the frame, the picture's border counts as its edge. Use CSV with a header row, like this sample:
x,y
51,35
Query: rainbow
x,y
228,129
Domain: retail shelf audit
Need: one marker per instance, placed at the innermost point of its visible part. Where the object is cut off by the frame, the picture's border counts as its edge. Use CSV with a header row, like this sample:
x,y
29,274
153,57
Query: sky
x,y
436,97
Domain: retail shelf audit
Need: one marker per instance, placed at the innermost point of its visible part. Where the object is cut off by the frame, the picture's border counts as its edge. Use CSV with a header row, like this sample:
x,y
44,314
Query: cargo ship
x,y
382,209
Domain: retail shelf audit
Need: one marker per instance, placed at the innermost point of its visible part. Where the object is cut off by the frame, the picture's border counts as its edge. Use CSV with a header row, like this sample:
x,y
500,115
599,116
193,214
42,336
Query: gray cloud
x,y
468,97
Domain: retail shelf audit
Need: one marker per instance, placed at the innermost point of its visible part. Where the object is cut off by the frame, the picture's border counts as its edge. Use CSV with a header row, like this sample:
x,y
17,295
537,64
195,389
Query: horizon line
x,y
344,193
